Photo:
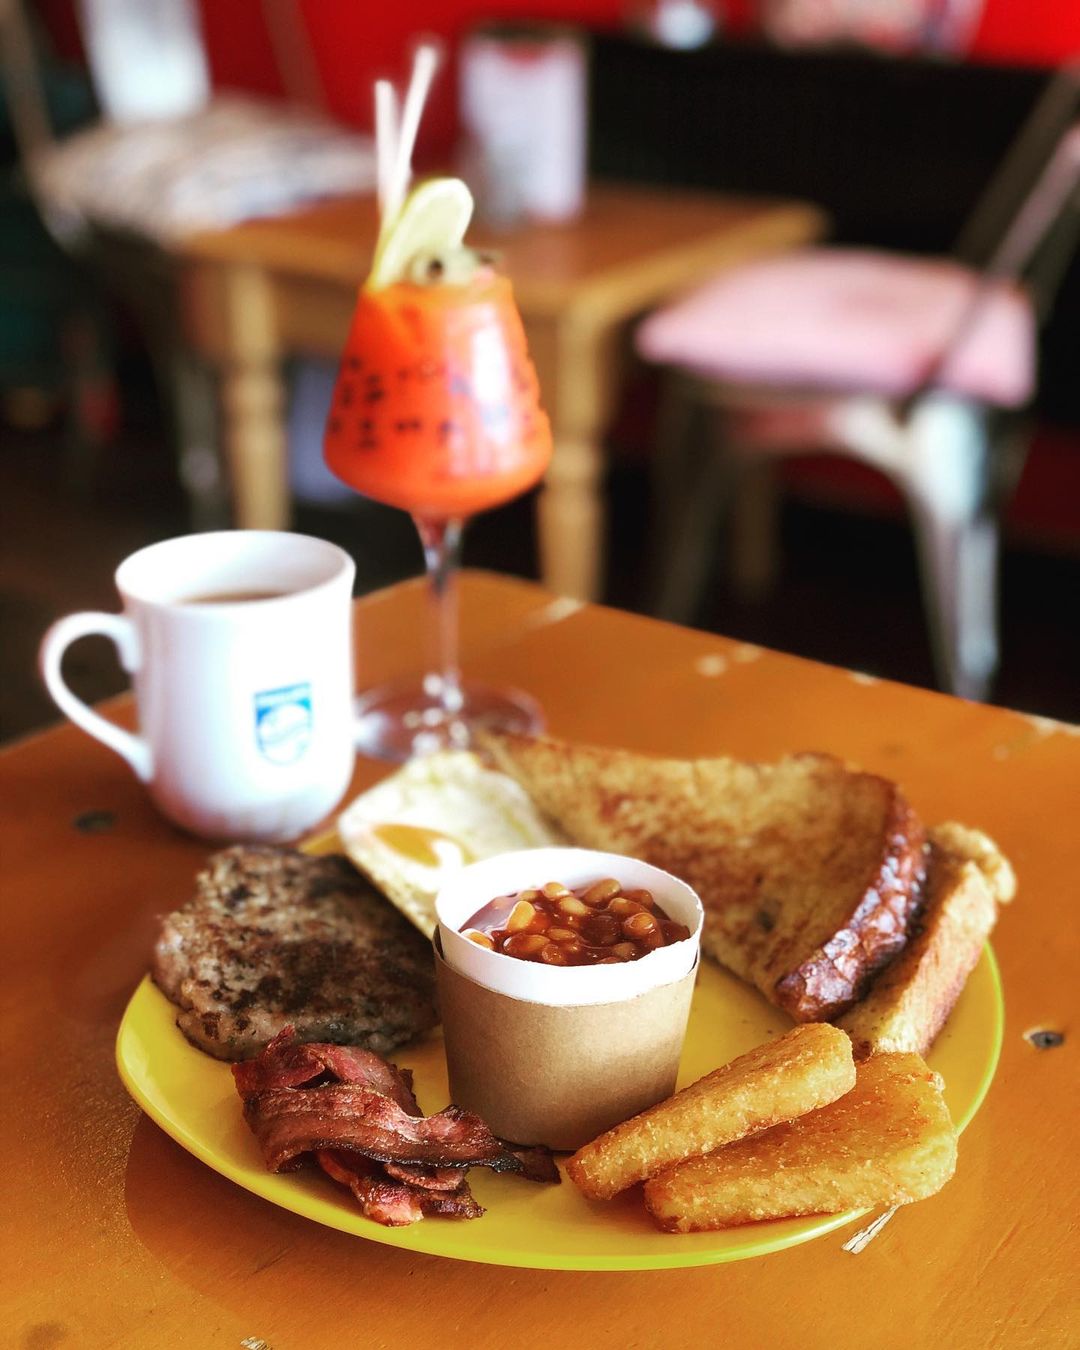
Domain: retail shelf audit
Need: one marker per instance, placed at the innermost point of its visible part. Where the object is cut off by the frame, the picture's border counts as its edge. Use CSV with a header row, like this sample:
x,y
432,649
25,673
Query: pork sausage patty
x,y
273,937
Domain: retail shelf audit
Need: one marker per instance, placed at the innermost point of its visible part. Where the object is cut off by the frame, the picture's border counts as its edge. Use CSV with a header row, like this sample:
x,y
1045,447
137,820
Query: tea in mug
x,y
231,597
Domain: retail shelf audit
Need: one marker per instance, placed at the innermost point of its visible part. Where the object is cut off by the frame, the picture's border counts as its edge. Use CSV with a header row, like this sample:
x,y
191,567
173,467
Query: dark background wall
x,y
353,41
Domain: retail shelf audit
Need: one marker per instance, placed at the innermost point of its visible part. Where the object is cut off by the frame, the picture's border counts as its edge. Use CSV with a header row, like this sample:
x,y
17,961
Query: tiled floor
x,y
847,593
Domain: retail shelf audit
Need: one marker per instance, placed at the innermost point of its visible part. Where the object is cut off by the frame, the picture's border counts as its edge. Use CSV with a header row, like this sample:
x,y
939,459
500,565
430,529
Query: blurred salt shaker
x,y
523,108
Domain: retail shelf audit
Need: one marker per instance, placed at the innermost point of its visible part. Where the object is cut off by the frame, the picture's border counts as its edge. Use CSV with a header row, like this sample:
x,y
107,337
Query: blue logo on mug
x,y
283,723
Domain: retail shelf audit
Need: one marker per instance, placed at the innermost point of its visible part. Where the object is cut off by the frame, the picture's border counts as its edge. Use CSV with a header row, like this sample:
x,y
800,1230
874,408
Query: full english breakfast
x,y
820,885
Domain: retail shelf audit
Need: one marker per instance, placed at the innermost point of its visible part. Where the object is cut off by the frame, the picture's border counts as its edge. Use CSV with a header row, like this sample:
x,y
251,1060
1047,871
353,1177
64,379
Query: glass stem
x,y
442,554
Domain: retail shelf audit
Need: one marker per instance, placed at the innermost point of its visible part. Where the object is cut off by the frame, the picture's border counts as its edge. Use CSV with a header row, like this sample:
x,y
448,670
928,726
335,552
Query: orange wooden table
x,y
267,289
114,1236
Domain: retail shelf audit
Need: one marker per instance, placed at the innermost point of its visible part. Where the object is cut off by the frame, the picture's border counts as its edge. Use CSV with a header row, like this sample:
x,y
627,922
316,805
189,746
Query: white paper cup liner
x,y
564,986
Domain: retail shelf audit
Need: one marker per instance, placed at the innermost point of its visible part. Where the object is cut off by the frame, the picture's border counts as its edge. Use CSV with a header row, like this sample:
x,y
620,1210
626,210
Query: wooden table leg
x,y
253,404
571,519
577,376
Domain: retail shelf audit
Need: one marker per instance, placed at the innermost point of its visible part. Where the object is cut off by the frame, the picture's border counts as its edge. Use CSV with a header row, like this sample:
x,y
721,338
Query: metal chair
x,y
941,414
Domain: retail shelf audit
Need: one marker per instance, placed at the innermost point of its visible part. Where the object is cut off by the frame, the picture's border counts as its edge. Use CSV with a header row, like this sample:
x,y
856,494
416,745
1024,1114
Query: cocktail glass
x,y
436,411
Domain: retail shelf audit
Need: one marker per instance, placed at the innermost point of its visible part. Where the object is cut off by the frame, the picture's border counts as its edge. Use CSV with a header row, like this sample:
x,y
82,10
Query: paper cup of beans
x,y
565,978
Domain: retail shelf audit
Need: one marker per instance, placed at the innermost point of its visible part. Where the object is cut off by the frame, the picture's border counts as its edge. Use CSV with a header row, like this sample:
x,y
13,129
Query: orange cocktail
x,y
436,411
436,408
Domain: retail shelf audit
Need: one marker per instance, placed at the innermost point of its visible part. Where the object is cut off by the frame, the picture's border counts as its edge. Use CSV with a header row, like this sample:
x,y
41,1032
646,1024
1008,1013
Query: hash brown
x,y
807,1068
888,1141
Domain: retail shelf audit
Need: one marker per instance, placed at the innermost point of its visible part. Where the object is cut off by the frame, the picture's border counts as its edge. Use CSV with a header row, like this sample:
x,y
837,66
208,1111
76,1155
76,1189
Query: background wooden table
x,y
114,1236
256,293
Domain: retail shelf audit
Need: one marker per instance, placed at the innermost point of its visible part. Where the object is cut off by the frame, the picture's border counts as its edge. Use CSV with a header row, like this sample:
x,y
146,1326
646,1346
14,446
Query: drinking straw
x,y
425,64
385,143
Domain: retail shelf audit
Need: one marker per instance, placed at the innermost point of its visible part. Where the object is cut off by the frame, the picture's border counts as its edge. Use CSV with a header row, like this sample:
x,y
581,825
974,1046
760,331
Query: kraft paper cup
x,y
556,1054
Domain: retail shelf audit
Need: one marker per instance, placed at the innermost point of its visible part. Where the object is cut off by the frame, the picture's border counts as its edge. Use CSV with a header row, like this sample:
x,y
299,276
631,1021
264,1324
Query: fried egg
x,y
414,830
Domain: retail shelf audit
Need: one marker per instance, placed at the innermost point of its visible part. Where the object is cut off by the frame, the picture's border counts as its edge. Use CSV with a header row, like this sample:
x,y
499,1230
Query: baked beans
x,y
599,923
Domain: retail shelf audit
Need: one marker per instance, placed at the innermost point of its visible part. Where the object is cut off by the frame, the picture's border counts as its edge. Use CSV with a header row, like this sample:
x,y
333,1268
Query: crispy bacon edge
x,y
287,1063
392,1201
289,1122
357,1116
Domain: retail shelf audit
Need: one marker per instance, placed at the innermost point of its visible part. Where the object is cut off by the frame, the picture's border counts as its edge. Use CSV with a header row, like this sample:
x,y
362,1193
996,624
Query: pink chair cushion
x,y
849,319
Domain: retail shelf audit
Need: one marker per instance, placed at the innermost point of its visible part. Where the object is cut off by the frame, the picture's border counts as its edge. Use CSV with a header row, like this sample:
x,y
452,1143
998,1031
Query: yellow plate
x,y
192,1098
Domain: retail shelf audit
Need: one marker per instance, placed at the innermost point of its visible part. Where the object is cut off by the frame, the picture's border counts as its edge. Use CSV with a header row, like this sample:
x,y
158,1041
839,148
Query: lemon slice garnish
x,y
433,218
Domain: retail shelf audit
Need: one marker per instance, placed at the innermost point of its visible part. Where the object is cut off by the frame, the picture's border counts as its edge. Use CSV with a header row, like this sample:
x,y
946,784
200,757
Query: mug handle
x,y
53,645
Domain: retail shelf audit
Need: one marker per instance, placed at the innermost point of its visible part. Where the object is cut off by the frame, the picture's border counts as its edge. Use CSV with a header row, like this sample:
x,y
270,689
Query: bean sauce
x,y
600,923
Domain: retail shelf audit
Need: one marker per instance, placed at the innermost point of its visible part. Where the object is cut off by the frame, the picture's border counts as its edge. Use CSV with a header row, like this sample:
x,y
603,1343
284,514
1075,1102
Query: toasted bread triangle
x,y
809,871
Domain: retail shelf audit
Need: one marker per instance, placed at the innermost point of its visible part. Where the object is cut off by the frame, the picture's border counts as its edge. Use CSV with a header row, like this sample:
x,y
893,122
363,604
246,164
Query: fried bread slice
x,y
888,1141
809,871
805,1069
909,1001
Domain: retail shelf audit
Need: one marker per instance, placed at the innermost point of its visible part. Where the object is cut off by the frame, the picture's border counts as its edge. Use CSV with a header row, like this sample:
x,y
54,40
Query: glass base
x,y
394,722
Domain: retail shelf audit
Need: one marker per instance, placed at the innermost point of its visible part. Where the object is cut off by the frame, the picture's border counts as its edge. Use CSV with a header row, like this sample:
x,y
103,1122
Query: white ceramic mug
x,y
244,704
